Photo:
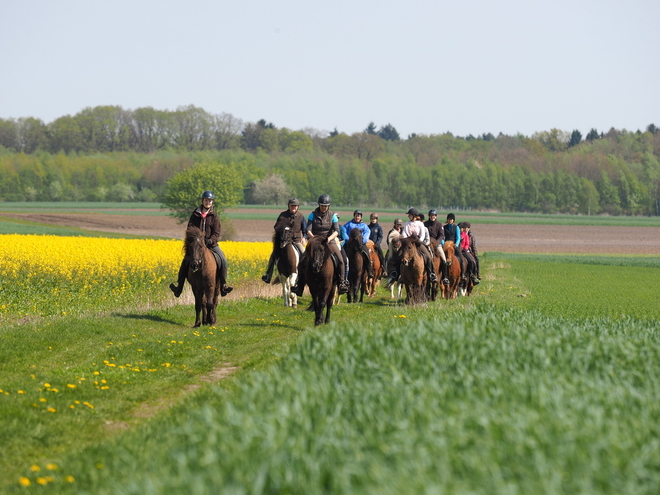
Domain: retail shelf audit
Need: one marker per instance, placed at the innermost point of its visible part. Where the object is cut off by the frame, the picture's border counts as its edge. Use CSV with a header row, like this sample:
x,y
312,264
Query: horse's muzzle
x,y
196,265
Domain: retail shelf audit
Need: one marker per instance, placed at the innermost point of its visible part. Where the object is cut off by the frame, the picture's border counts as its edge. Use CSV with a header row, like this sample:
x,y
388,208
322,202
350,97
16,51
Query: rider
x,y
473,247
453,233
294,220
392,235
466,251
357,223
207,221
323,222
414,227
438,233
376,237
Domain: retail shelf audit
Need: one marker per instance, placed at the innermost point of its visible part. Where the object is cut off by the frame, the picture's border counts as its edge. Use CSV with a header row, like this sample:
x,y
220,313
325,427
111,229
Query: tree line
x,y
111,154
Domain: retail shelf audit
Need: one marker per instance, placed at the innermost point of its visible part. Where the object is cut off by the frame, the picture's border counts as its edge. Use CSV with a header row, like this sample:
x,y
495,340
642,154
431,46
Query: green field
x,y
545,380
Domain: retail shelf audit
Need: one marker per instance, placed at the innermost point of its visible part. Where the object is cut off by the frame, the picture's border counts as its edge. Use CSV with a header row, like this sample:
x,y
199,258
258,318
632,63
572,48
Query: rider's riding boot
x,y
445,274
225,289
266,278
181,279
393,276
343,286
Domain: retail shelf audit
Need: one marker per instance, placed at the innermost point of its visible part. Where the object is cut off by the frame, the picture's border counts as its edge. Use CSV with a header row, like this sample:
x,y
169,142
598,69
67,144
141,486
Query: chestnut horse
x,y
413,273
287,265
372,283
203,276
454,271
320,277
357,271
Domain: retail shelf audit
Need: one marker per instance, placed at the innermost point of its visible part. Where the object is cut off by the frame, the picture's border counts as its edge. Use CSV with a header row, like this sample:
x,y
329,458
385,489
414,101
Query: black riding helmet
x,y
208,195
294,201
451,216
358,212
324,200
413,212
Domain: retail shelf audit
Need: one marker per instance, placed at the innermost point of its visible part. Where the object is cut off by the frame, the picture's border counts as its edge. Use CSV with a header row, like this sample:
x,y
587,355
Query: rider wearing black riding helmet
x,y
453,233
294,220
376,237
437,232
323,222
205,219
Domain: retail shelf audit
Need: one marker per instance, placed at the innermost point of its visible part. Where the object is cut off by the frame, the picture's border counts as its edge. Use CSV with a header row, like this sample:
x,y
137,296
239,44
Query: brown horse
x,y
357,271
319,276
203,275
413,274
372,283
454,271
287,265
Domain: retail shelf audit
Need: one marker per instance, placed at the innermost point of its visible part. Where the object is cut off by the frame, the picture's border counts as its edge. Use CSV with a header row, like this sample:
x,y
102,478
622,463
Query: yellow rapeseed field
x,y
45,275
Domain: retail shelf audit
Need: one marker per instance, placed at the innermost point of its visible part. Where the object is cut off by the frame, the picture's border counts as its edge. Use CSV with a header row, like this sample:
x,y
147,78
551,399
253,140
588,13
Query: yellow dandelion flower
x,y
42,481
51,466
47,385
70,385
51,409
22,392
69,479
42,399
23,481
34,468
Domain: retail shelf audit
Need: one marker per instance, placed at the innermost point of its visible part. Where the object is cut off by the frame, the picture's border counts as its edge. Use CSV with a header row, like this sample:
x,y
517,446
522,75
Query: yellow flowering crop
x,y
53,275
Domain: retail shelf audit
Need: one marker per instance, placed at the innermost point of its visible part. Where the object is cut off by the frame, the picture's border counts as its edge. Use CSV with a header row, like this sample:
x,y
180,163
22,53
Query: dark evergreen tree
x,y
389,133
371,128
593,134
576,138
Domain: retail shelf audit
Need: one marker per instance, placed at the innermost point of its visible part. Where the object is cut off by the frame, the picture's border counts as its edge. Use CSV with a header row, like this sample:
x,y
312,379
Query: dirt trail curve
x,y
505,238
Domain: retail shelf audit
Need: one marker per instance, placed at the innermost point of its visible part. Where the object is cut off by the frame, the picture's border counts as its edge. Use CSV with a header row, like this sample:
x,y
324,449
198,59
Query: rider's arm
x,y
215,230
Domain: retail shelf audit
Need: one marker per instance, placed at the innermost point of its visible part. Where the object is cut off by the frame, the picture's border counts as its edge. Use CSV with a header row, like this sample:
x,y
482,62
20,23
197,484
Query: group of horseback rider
x,y
324,222
460,234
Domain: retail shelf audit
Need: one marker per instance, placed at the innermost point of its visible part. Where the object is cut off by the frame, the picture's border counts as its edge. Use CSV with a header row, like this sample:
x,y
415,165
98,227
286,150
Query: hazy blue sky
x,y
428,67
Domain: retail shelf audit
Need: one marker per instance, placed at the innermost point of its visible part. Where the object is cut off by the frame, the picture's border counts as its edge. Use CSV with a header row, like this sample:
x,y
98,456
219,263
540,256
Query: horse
x,y
320,277
390,264
454,271
287,265
203,276
413,272
357,271
372,283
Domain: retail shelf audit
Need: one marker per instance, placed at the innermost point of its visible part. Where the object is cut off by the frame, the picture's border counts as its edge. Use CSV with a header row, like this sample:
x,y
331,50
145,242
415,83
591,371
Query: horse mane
x,y
192,233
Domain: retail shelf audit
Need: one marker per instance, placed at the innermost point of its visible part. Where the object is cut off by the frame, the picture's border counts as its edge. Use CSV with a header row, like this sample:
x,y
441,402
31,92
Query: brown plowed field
x,y
505,238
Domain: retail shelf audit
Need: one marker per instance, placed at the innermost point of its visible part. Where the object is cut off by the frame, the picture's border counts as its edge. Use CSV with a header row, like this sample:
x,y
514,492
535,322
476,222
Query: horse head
x,y
408,251
449,251
318,253
286,237
195,247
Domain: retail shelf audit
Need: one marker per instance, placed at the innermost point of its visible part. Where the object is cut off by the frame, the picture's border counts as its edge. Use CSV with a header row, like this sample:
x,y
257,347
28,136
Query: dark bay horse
x,y
390,264
433,286
357,271
413,273
203,276
320,277
287,265
454,271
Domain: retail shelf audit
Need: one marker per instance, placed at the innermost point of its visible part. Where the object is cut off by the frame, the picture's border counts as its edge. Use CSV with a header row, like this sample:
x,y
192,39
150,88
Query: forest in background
x,y
111,154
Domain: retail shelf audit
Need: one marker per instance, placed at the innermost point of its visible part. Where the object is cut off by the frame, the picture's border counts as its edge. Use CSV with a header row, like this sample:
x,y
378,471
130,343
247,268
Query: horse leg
x,y
319,305
198,309
329,300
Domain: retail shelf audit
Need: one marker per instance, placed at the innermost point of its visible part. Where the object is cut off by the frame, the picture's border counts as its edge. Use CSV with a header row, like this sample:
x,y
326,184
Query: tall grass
x,y
485,401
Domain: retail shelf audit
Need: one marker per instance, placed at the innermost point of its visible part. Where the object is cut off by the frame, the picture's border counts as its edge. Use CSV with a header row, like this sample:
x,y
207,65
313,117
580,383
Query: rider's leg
x,y
269,271
367,260
181,279
443,265
343,264
224,288
428,264
299,288
394,274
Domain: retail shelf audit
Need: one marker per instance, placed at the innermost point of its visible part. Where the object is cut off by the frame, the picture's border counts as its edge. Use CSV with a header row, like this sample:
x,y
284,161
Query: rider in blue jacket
x,y
453,233
357,223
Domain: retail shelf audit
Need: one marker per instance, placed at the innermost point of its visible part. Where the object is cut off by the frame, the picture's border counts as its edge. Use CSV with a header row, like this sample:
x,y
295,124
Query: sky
x,y
423,66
